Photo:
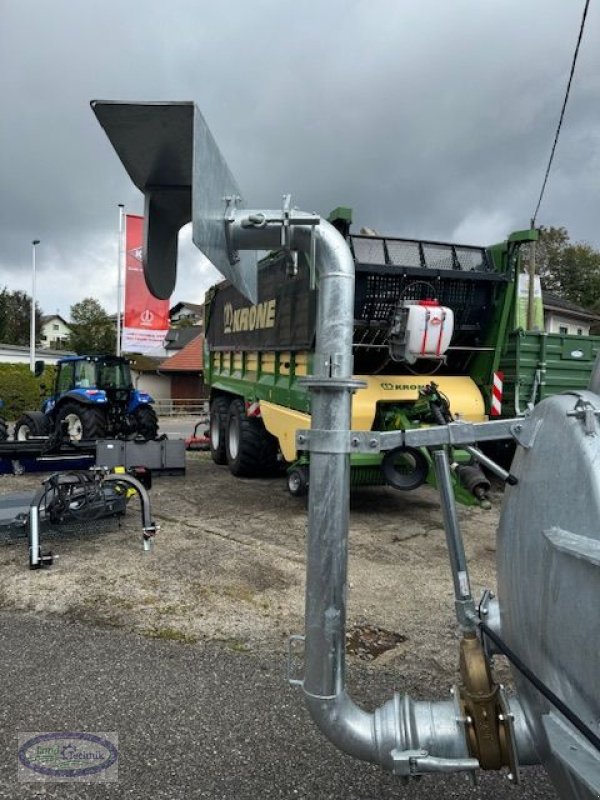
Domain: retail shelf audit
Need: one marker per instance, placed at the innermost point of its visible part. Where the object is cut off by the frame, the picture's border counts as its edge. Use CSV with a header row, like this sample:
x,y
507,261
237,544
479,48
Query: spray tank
x,y
544,618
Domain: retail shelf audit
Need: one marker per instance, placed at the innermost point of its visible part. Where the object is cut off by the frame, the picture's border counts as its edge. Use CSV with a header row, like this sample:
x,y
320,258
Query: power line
x,y
562,113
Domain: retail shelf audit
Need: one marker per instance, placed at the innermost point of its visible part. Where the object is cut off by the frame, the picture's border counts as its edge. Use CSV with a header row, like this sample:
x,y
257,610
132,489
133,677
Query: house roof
x,y
198,308
142,363
554,302
177,338
189,359
49,317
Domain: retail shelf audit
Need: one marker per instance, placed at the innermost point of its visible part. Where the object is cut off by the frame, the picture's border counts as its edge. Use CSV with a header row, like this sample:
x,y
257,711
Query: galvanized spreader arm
x,y
171,156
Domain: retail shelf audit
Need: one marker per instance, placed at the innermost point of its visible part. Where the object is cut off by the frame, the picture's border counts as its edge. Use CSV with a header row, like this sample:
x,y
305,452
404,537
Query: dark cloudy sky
x,y
429,118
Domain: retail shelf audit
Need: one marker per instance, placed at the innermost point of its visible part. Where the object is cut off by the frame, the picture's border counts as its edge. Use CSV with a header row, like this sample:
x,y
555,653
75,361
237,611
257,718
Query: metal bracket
x,y
312,260
586,412
231,202
292,680
324,441
507,719
454,433
525,432
488,611
286,236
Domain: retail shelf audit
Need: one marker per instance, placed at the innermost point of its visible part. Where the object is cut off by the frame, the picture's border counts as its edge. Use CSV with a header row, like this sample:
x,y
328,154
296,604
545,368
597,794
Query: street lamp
x,y
32,326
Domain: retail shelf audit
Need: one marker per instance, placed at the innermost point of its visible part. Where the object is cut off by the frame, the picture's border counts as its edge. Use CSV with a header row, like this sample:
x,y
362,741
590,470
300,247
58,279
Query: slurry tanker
x,y
543,613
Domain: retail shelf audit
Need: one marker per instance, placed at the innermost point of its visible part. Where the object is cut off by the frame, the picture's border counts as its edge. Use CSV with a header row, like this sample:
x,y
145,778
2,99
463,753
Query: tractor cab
x,y
105,373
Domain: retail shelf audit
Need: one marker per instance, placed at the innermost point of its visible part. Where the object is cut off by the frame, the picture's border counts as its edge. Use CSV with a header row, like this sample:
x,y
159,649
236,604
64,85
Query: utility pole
x,y
34,243
120,275
531,297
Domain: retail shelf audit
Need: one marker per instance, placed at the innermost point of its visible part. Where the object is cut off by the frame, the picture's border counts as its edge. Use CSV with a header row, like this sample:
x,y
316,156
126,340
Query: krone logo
x,y
249,318
136,253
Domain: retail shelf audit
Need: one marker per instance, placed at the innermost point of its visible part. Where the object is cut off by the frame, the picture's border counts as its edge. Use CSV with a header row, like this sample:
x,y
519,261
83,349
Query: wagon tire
x,y
217,429
251,450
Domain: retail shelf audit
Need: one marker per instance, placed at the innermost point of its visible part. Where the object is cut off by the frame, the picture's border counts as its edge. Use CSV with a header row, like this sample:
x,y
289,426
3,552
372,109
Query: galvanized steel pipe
x,y
429,731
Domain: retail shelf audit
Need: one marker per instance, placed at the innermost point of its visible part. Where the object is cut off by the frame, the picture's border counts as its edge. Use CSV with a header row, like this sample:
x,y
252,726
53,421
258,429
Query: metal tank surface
x,y
549,582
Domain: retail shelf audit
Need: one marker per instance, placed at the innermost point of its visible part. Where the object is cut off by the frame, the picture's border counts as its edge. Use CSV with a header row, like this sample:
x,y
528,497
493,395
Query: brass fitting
x,y
481,701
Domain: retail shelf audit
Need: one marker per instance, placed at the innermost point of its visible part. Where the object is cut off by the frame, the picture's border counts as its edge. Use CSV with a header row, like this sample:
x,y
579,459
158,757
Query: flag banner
x,y
146,319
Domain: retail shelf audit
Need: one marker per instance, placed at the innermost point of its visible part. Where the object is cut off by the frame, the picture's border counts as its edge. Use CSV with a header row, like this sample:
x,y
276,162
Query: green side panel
x,y
283,389
563,362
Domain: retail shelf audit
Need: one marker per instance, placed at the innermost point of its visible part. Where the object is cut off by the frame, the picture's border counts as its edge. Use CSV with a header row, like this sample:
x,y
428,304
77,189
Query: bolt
x,y
355,441
301,439
518,428
372,442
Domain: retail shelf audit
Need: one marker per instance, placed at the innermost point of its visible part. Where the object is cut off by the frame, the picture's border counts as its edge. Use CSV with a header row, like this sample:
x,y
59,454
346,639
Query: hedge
x,y
21,390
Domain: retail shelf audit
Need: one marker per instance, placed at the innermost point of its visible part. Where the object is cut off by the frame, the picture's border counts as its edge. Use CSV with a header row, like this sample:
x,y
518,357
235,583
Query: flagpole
x,y
120,276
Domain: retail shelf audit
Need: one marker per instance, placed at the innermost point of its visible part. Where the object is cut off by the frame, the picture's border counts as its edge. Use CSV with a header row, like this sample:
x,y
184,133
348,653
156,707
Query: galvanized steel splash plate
x,y
172,157
549,582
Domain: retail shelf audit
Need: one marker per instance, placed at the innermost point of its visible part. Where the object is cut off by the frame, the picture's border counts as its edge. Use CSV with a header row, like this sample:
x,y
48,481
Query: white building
x,y
54,331
563,316
17,354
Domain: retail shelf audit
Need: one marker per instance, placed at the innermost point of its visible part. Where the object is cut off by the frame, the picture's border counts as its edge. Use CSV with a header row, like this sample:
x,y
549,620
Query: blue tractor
x,y
93,398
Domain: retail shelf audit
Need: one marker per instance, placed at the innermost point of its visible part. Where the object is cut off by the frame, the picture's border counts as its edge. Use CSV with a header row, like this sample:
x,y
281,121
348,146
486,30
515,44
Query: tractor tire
x,y
146,422
251,449
218,424
3,430
32,423
83,422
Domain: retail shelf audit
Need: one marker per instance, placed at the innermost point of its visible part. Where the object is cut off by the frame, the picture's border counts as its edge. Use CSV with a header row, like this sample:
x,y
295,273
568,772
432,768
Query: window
x,y
579,331
85,374
54,326
563,329
64,380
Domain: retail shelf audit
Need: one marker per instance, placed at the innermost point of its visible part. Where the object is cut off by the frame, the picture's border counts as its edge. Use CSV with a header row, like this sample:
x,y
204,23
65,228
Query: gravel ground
x,y
216,600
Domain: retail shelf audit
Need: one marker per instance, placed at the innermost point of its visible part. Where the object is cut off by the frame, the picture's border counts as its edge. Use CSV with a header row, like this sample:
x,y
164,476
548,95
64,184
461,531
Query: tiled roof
x,y
197,307
188,359
554,301
177,338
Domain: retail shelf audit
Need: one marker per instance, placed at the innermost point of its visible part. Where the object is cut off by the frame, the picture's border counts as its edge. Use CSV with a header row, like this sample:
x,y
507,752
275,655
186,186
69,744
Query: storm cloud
x,y
429,119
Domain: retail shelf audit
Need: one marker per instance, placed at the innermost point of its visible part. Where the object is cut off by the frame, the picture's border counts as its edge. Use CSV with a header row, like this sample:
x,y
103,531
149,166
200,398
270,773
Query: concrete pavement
x,y
194,721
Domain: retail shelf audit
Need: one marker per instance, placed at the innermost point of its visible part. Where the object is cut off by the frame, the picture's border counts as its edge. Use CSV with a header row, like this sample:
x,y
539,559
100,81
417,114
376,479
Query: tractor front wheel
x,y
83,422
146,422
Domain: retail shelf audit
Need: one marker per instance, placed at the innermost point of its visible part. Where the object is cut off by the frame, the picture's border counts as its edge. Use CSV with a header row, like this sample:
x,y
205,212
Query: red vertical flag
x,y
146,319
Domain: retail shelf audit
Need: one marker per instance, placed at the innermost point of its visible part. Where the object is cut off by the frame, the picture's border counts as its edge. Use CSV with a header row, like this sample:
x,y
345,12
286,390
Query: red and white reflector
x,y
497,392
253,409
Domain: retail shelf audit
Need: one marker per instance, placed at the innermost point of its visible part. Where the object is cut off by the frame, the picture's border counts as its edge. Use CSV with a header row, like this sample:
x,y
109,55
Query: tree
x,y
92,329
15,317
571,270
